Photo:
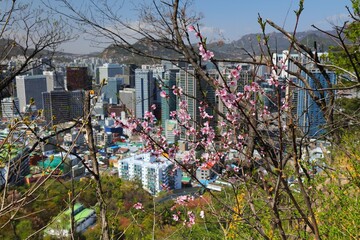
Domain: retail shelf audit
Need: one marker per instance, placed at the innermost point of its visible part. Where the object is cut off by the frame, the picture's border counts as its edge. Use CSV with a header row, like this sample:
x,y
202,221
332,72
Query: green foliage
x,y
338,191
348,58
339,215
349,106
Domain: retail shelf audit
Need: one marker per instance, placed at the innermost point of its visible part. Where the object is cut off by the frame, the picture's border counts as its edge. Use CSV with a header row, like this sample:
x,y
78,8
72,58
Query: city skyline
x,y
231,20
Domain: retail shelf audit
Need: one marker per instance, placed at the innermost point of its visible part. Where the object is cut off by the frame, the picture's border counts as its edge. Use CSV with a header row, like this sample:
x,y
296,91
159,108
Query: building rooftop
x,y
81,214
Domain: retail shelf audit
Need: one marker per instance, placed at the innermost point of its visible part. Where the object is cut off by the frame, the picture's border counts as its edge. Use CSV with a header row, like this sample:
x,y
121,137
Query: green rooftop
x,y
86,212
63,219
51,163
76,207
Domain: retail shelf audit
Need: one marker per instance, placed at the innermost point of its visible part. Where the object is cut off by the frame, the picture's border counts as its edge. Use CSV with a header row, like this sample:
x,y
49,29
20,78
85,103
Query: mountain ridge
x,y
234,49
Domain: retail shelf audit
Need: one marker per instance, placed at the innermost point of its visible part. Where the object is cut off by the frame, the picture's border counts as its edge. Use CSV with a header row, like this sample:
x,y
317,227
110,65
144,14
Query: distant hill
x,y
10,48
234,49
161,49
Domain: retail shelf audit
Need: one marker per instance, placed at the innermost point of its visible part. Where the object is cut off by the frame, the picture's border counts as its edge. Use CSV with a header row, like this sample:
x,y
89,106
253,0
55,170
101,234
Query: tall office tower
x,y
291,92
311,118
108,70
61,106
158,76
109,92
30,87
76,103
54,80
129,75
286,59
77,78
10,108
145,88
196,90
168,104
127,97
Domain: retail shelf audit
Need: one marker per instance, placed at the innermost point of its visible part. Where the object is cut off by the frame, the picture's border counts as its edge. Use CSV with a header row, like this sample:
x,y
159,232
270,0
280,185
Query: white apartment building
x,y
155,173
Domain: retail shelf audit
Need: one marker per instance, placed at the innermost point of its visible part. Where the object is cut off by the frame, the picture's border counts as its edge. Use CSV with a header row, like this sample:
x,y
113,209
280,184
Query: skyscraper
x,y
127,97
77,78
30,87
311,118
62,106
54,80
168,104
108,70
110,91
196,91
144,87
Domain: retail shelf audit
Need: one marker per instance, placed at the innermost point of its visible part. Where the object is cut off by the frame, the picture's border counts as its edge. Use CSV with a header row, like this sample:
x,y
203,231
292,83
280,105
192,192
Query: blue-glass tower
x,y
310,117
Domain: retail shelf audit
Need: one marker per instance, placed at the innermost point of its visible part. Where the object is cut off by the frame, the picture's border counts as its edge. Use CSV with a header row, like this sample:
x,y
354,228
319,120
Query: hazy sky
x,y
234,18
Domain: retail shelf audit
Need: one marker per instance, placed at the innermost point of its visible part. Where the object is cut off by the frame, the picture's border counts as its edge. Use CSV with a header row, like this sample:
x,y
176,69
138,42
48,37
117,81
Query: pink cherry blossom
x,y
176,132
175,217
138,206
235,74
163,94
178,91
191,28
183,104
205,54
191,220
247,88
173,114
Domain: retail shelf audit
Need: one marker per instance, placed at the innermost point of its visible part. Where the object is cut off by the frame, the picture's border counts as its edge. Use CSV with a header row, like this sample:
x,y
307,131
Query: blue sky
x,y
231,19
234,18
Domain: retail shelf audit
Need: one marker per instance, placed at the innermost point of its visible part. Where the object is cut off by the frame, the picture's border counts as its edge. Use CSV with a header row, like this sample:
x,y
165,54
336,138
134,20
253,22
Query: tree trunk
x,y
96,173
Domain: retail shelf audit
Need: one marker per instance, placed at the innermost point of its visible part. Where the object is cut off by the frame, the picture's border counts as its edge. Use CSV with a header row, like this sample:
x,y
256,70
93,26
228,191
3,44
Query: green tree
x,y
346,54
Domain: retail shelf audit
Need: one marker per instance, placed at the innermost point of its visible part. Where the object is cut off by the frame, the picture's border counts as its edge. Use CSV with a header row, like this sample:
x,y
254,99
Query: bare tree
x,y
269,145
27,33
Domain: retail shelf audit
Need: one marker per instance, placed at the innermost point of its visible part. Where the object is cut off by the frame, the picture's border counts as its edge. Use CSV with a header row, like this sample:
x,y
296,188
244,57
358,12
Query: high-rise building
x,y
54,80
10,108
196,91
170,126
311,118
127,97
77,78
144,87
62,106
108,70
168,104
110,90
30,88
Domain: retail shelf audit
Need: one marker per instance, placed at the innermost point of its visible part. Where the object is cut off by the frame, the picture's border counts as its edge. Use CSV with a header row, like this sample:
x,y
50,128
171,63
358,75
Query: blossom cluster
x,y
205,54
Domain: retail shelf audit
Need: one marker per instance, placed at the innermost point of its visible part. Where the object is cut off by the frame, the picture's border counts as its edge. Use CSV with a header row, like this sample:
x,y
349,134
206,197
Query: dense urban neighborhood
x,y
174,137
